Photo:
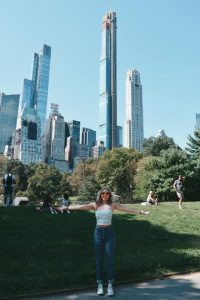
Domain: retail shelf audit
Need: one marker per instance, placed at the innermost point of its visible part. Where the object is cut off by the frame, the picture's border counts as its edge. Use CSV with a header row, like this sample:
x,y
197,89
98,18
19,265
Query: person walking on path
x,y
8,182
104,234
178,186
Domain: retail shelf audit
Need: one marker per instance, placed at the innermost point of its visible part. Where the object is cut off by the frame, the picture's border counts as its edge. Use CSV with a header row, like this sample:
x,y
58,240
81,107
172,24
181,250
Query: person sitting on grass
x,y
152,199
65,202
104,234
46,205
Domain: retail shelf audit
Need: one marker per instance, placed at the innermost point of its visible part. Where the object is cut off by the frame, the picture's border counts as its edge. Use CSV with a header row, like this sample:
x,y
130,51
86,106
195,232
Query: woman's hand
x,y
144,212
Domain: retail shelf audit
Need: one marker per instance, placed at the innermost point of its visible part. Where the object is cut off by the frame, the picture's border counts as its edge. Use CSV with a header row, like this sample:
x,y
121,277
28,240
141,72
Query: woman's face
x,y
105,195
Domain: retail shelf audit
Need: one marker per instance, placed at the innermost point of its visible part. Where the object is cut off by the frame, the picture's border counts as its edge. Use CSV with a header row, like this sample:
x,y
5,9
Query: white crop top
x,y
104,216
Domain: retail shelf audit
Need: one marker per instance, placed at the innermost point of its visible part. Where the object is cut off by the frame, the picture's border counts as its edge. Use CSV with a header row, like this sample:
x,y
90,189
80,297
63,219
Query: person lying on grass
x,y
104,234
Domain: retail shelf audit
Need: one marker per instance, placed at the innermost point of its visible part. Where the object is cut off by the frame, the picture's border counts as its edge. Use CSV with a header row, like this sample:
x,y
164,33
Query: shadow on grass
x,y
44,252
150,251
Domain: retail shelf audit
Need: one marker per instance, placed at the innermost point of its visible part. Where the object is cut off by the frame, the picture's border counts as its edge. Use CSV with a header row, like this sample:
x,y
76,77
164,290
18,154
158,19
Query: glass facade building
x,y
98,149
197,126
134,129
8,118
88,137
40,77
35,90
73,142
32,110
119,136
26,141
53,141
108,82
74,130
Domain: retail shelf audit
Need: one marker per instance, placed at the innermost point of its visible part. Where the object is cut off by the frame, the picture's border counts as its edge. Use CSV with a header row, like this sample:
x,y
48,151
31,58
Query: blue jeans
x,y
104,243
8,195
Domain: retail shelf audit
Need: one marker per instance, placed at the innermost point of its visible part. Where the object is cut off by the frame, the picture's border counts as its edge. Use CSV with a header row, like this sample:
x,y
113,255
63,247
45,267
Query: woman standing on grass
x,y
104,235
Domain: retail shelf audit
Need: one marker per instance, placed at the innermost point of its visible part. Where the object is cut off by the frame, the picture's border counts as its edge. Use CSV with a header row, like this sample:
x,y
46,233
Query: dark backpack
x,y
9,179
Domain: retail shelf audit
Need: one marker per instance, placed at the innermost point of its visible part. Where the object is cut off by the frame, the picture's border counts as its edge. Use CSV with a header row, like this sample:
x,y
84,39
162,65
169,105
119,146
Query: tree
x,y
19,170
147,168
45,181
3,161
194,152
154,145
88,191
159,173
65,184
194,145
84,169
116,168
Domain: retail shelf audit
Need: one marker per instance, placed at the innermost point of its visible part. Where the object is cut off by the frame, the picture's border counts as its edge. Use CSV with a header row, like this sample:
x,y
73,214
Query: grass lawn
x,y
42,252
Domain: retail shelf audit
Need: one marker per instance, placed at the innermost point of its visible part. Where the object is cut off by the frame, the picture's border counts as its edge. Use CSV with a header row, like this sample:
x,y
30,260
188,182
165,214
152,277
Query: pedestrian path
x,y
179,287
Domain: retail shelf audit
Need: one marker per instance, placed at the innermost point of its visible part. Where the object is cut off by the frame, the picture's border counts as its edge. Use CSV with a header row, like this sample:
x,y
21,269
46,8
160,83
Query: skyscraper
x,y
88,137
40,78
73,142
197,126
8,118
108,82
74,130
70,151
32,110
119,136
53,140
134,130
98,149
26,142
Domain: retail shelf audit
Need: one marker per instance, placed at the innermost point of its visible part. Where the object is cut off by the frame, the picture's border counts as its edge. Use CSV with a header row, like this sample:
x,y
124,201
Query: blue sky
x,y
159,38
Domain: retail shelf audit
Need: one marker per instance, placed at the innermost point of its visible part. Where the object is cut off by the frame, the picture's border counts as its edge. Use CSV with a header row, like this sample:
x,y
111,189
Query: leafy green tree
x,y
154,145
193,148
19,170
65,184
31,169
88,190
147,168
3,161
194,145
158,174
87,167
116,168
45,181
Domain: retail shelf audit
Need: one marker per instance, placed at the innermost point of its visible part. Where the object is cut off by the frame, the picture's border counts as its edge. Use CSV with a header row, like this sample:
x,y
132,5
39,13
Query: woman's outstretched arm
x,y
89,206
121,207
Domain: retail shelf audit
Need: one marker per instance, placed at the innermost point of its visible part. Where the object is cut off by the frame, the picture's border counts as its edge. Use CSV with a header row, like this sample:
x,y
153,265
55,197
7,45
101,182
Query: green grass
x,y
41,252
73,198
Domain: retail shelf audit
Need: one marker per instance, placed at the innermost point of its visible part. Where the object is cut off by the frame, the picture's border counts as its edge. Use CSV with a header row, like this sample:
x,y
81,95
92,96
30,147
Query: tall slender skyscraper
x,y
32,110
40,78
134,129
108,82
26,142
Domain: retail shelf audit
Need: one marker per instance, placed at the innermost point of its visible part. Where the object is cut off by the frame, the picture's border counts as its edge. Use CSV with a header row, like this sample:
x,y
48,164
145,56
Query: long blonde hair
x,y
99,200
